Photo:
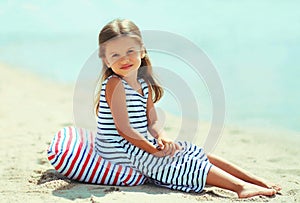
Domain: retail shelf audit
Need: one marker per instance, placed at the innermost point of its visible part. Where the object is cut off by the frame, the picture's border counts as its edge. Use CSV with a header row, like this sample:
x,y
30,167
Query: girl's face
x,y
123,55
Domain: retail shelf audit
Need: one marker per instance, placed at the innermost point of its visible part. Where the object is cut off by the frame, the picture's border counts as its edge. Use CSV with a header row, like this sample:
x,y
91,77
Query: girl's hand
x,y
167,147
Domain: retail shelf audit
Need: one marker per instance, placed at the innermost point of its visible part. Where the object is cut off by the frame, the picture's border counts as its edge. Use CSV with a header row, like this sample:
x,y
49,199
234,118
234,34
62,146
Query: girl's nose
x,y
124,60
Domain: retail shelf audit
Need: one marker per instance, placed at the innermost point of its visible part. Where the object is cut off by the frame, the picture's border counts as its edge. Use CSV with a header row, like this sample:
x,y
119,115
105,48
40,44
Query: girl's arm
x,y
116,99
152,119
168,146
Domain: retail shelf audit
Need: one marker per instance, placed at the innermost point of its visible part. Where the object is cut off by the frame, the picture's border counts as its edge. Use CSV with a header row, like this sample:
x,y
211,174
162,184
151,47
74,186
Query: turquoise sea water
x,y
255,46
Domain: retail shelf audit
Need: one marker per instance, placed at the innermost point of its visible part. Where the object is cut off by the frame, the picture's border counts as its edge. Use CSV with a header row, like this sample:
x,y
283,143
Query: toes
x,y
275,187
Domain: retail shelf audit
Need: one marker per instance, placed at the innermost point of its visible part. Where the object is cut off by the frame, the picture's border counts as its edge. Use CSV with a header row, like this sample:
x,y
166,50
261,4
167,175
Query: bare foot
x,y
250,190
266,184
273,186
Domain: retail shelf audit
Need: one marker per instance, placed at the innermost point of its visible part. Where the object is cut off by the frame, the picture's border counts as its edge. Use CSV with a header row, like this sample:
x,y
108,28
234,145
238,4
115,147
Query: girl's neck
x,y
131,79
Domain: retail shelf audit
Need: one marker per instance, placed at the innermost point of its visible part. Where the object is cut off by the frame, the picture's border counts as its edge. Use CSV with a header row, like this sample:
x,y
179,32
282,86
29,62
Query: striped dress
x,y
186,171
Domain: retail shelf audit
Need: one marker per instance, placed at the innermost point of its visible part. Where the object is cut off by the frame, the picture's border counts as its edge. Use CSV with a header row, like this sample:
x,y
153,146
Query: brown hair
x,y
117,28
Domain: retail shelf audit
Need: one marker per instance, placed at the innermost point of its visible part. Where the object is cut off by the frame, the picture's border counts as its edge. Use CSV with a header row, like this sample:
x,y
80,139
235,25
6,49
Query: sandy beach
x,y
34,108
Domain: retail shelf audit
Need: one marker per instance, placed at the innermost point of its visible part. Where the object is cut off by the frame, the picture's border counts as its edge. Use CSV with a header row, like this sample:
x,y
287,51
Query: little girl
x,y
125,112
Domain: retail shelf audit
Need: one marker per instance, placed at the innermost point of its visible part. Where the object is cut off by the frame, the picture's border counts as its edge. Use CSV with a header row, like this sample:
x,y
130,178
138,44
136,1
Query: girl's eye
x,y
131,51
114,55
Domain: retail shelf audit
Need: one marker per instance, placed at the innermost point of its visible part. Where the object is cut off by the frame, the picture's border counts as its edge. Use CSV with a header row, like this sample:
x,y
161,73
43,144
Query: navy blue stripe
x,y
144,165
129,148
136,116
135,155
189,171
81,158
109,179
138,127
106,129
110,134
72,151
135,95
124,172
201,174
135,100
153,167
137,111
101,170
134,105
194,168
103,152
105,123
51,146
135,122
105,107
62,145
203,155
105,112
134,178
123,162
143,132
199,151
172,172
140,162
183,180
180,172
88,171
108,141
108,147
166,167
163,167
145,161
105,118
145,87
168,174
128,88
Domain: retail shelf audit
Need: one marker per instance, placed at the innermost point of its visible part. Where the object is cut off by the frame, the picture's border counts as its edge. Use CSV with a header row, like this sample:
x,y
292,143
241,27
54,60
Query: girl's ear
x,y
143,53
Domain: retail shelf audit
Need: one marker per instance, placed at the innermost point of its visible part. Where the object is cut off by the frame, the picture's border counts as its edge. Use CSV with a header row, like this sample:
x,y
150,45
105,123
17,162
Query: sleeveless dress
x,y
186,171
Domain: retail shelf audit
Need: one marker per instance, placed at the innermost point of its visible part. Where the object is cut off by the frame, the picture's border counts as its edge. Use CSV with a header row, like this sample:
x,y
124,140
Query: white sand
x,y
33,109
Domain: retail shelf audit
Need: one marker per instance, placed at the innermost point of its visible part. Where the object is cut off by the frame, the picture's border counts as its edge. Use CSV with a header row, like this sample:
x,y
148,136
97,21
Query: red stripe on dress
x,y
66,152
57,141
92,139
81,136
51,157
95,168
117,175
106,172
128,176
85,163
138,180
76,156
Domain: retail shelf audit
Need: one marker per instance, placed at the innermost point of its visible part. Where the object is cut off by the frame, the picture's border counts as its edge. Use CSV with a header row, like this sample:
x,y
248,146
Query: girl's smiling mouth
x,y
127,66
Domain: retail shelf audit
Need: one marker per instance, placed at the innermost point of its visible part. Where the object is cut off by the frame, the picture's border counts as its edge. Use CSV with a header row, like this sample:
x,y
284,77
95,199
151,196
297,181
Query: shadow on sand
x,y
72,190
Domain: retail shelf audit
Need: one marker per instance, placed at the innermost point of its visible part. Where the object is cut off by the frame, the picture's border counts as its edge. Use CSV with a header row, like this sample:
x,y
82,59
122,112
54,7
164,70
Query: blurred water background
x,y
254,45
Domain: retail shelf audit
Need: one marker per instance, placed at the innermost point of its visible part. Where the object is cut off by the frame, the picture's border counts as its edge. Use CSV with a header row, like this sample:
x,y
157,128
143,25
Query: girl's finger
x,y
167,149
173,149
160,144
178,147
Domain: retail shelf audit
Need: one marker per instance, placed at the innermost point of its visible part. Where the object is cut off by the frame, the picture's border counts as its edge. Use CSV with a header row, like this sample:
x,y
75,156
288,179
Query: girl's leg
x,y
218,177
241,173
